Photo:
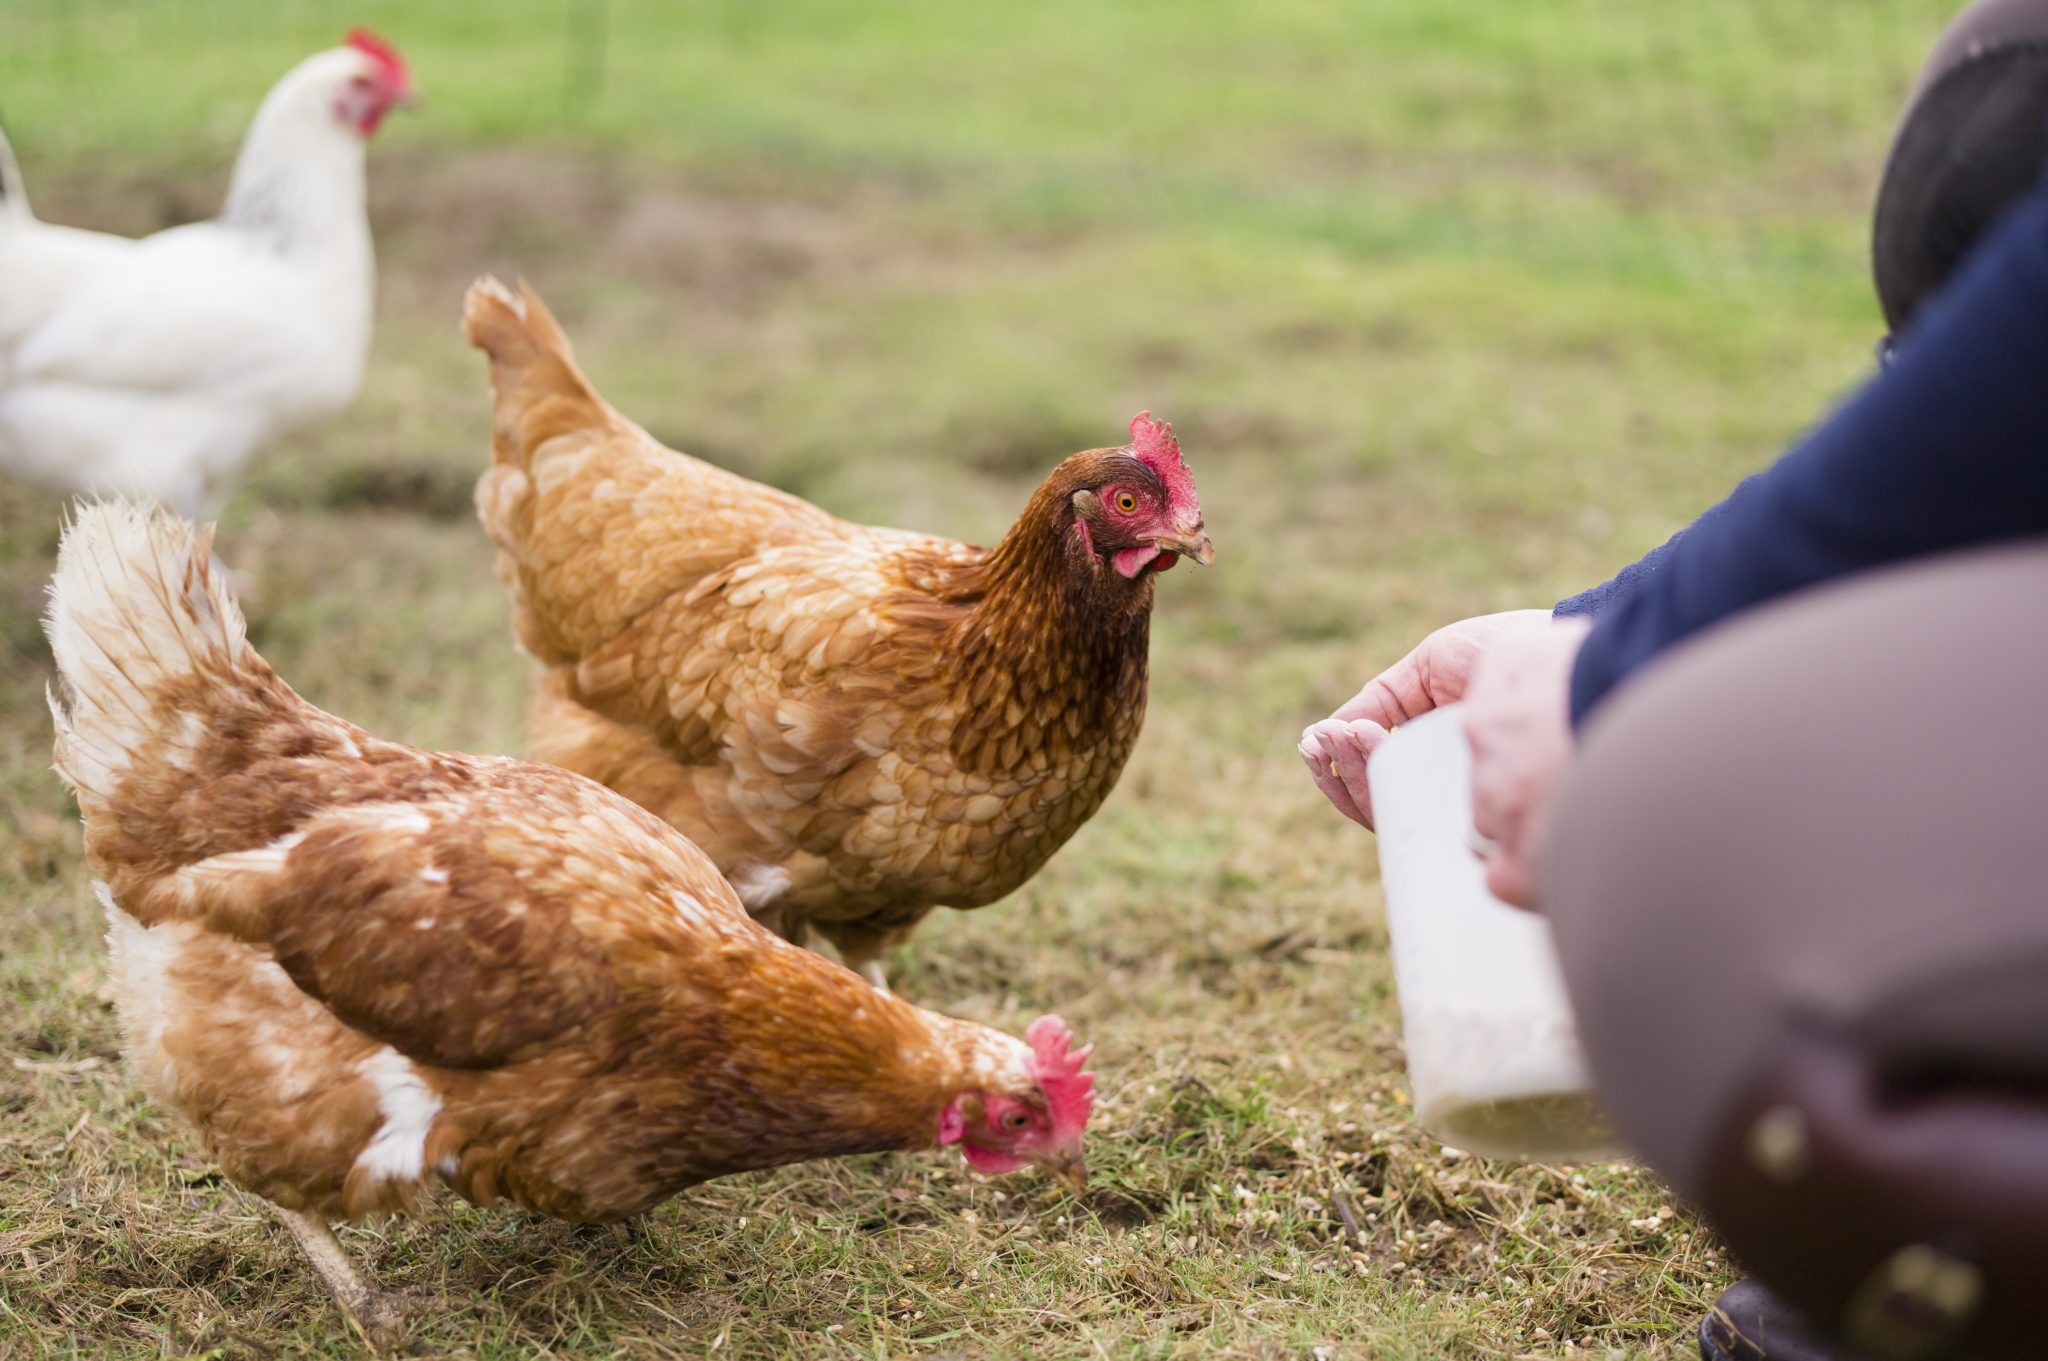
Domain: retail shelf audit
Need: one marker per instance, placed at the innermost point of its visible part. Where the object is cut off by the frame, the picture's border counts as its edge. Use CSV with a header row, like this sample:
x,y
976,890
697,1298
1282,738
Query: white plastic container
x,y
1493,1056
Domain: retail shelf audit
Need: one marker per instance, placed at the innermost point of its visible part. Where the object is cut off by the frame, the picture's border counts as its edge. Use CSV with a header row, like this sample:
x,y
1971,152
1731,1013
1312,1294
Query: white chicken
x,y
157,367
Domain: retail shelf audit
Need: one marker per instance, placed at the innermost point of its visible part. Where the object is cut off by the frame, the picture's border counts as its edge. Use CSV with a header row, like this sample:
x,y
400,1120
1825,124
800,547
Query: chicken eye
x,y
1015,1120
1126,502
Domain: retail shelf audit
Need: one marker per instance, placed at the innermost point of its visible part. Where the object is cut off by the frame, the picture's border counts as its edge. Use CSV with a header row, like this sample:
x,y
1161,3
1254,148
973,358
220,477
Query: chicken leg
x,y
862,945
380,1314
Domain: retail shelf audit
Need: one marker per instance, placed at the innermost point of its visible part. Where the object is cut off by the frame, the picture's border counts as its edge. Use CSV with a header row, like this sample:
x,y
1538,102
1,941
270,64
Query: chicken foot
x,y
379,1313
862,945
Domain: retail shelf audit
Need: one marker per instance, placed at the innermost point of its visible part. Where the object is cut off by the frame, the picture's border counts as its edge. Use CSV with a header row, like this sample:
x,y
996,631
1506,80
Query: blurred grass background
x,y
1456,305
1681,144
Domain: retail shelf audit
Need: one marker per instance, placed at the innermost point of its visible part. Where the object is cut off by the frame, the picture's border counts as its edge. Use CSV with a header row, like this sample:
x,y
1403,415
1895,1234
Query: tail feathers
x,y
135,615
13,197
541,393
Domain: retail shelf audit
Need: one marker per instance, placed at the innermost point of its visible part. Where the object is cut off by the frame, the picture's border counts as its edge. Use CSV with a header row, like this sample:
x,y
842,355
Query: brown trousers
x,y
1800,887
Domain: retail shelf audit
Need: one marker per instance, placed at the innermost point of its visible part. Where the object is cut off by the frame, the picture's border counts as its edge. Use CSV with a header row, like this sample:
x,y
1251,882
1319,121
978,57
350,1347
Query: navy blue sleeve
x,y
1597,599
1946,448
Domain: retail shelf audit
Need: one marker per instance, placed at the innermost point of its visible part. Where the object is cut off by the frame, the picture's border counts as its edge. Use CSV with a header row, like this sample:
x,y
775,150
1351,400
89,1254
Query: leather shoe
x,y
1749,1323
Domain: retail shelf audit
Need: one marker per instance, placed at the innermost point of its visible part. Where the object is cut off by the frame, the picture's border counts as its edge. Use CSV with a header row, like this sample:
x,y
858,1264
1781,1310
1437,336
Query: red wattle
x,y
1131,561
989,1161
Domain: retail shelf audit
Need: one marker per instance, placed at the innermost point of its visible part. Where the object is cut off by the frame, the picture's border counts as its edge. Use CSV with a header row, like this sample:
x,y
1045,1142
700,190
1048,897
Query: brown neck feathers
x,y
1052,647
816,1063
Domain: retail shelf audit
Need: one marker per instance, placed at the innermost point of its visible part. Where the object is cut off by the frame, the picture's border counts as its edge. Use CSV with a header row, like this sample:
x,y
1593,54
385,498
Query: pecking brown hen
x,y
857,724
358,967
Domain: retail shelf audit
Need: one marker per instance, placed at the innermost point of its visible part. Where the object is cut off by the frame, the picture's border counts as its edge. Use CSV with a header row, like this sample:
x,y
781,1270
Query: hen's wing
x,y
594,519
786,710
44,266
193,308
509,905
788,651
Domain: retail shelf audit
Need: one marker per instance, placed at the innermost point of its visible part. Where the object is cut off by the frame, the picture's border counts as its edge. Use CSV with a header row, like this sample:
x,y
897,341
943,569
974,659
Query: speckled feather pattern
x,y
856,724
357,966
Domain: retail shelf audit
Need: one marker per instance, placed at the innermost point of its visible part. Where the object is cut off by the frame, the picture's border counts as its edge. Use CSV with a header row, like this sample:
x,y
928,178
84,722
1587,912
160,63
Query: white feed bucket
x,y
1493,1057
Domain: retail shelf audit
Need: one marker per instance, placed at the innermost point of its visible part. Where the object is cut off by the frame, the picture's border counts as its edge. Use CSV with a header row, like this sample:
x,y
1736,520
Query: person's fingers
x,y
1504,804
1493,825
1510,871
1321,761
1435,672
1439,670
1395,694
1352,746
1493,800
1337,756
1508,879
1517,722
1500,808
1390,698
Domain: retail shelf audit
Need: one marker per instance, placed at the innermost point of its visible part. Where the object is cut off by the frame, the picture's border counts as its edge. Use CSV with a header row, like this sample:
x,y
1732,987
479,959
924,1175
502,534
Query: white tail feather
x,y
133,607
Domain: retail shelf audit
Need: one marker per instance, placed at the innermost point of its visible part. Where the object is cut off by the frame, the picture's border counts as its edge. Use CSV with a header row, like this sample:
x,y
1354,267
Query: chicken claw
x,y
380,1314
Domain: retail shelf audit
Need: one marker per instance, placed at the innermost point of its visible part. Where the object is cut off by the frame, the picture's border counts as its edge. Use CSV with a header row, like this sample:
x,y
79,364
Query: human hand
x,y
1518,720
1434,674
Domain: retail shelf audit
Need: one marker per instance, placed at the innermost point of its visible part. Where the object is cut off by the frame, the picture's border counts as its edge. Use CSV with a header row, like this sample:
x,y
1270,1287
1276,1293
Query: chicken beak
x,y
1069,1170
1195,545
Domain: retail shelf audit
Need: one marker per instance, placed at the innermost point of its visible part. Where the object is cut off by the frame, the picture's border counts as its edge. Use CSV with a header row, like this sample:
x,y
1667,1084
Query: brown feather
x,y
857,724
355,965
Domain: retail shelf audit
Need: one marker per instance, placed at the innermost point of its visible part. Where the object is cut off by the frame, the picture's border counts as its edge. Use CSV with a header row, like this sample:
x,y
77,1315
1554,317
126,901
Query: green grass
x,y
1456,306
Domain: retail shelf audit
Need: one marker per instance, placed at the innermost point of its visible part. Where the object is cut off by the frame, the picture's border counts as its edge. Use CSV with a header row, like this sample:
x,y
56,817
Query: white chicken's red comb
x,y
383,53
1062,1072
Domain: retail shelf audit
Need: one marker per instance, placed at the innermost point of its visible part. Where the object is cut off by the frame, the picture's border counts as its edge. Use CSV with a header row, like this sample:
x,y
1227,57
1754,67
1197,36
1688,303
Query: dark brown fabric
x,y
1749,1323
1803,860
1907,1215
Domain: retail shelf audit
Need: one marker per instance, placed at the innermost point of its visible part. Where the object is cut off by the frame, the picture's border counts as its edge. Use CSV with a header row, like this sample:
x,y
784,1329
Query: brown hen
x,y
358,967
856,724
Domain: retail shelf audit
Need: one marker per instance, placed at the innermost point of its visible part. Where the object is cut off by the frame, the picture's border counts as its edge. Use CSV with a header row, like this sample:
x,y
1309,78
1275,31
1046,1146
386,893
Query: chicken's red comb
x,y
383,53
1153,439
1062,1073
1153,442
